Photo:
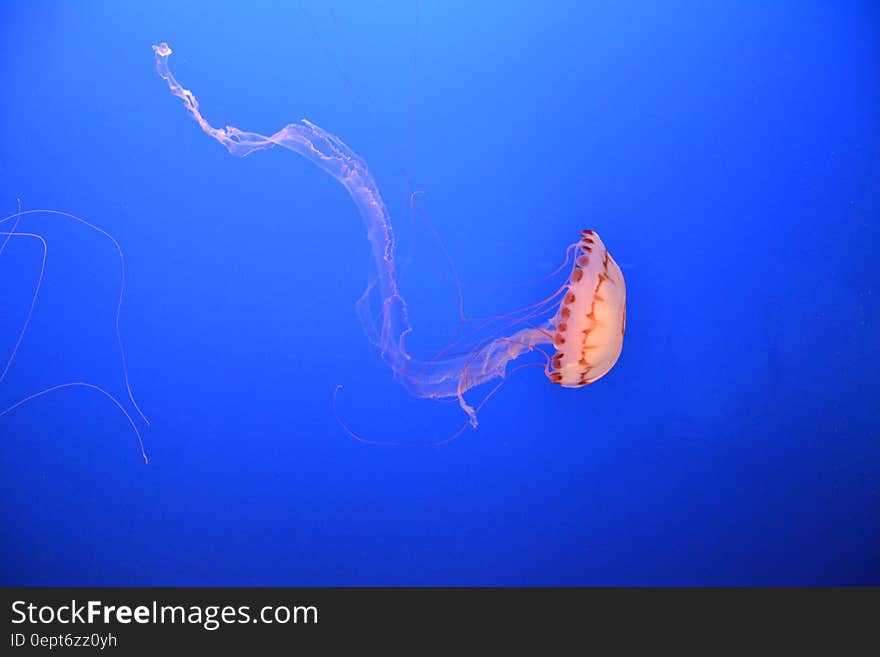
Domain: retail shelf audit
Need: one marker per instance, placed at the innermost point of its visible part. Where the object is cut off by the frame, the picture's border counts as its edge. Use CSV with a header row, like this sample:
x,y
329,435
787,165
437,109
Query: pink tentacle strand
x,y
16,218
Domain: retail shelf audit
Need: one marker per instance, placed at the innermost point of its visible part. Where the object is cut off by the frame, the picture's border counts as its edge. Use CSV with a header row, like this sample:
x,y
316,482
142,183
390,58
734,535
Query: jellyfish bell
x,y
589,326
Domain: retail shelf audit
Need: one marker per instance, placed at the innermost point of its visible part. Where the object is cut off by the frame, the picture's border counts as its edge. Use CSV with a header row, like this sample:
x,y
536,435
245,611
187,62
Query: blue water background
x,y
727,153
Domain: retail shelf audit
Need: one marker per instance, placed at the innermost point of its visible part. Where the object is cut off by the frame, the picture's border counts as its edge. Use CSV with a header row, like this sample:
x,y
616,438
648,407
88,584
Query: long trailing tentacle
x,y
437,378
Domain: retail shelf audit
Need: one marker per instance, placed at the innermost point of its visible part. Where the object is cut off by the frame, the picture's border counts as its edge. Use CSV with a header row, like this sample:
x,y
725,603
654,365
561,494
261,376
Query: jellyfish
x,y
586,329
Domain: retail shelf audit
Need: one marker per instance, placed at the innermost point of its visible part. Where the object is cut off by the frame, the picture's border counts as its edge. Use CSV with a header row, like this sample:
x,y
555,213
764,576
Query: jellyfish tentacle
x,y
117,317
88,386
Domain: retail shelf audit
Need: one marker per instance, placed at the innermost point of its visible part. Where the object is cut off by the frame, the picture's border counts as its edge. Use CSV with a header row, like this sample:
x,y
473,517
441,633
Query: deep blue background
x,y
728,155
